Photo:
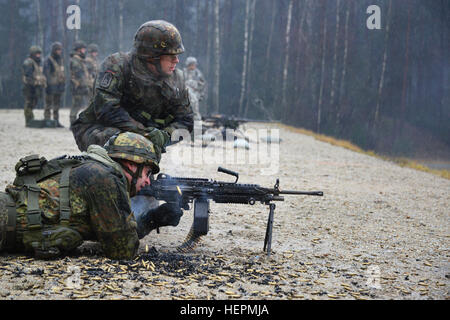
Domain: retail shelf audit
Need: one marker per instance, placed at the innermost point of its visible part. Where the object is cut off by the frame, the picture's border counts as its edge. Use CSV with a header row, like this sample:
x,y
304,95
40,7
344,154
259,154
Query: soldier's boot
x,y
29,116
56,118
47,110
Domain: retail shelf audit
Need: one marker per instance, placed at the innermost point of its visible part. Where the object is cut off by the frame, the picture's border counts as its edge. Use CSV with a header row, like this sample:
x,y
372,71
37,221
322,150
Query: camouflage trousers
x,y
195,105
30,104
6,203
52,102
86,134
79,102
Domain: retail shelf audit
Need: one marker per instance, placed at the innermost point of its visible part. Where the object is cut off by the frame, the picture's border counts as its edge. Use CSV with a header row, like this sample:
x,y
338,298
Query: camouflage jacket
x,y
124,101
54,72
99,202
79,75
32,74
195,81
92,67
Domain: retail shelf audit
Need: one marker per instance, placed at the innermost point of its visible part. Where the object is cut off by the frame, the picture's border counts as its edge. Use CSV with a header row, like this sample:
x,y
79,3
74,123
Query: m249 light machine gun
x,y
199,191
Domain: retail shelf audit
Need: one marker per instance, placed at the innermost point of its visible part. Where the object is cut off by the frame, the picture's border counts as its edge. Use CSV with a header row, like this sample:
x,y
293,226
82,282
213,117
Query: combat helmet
x,y
190,60
34,50
92,48
155,38
56,46
133,147
79,44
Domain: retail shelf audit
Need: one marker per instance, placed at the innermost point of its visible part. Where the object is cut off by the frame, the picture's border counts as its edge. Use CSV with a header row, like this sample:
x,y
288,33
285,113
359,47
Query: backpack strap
x,y
64,197
33,210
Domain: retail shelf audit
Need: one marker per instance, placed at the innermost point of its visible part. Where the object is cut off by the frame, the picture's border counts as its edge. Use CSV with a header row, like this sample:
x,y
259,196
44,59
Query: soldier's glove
x,y
160,138
167,214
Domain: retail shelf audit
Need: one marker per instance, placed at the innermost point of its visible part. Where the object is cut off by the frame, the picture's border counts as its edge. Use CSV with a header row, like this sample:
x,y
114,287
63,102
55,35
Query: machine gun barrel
x,y
307,193
184,190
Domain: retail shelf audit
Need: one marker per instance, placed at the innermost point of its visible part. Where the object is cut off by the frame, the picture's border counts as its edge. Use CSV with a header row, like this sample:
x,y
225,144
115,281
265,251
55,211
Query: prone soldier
x,y
53,206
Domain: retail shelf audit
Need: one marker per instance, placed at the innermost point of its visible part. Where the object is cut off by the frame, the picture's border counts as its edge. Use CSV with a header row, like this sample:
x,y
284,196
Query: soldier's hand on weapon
x,y
160,138
167,214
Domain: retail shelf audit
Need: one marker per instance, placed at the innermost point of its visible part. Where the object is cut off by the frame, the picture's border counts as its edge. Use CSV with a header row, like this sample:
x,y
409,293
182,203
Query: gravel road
x,y
380,231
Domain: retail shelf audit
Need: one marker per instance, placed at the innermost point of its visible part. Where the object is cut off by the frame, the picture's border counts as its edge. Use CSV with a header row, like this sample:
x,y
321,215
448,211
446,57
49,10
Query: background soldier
x,y
56,82
196,84
53,206
139,91
92,65
33,82
79,78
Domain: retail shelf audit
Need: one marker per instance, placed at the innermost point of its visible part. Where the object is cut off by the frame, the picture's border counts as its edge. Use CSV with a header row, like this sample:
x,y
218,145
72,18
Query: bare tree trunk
x,y
40,31
76,30
286,60
269,46
121,5
333,73
217,57
12,40
94,24
65,44
383,66
299,49
244,63
249,60
54,20
322,73
344,66
208,52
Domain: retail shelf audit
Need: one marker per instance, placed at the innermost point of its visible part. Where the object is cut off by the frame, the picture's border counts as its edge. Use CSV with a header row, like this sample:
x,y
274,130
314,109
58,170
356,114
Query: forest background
x,y
314,64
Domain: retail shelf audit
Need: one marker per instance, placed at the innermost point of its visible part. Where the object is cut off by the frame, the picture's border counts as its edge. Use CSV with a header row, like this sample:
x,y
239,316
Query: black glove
x,y
167,214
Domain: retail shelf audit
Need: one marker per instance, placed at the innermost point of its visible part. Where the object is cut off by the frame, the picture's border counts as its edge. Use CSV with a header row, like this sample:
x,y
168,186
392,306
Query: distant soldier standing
x,y
92,65
56,82
33,82
196,84
140,91
79,78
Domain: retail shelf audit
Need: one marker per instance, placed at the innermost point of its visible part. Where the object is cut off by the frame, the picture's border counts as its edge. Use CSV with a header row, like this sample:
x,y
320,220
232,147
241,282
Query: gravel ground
x,y
379,232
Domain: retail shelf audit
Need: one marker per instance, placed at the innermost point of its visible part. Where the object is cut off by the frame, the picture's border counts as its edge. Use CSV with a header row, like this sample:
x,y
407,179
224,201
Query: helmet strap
x,y
134,177
157,63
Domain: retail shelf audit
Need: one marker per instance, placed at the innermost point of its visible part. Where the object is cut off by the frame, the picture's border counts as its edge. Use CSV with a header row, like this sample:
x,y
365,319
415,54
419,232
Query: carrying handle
x,y
232,173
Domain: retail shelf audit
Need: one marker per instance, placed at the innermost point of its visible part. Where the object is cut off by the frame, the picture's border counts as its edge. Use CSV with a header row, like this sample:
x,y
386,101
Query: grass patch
x,y
402,162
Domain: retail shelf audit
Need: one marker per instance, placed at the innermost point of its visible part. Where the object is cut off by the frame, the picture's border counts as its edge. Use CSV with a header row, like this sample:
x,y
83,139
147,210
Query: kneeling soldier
x,y
53,206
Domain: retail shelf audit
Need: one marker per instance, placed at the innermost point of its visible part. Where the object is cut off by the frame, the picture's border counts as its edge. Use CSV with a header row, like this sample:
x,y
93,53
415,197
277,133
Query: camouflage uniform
x,y
80,81
56,82
195,82
128,97
99,204
92,66
33,82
